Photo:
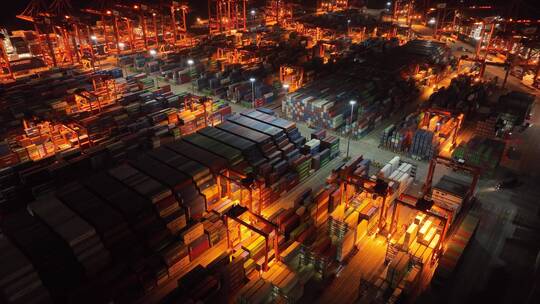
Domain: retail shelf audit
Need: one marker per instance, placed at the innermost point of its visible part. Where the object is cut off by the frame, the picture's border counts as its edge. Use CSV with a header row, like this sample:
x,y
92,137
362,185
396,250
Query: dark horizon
x,y
528,9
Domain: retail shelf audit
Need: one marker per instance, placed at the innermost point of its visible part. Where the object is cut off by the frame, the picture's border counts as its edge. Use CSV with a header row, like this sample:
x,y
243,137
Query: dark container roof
x,y
256,125
178,161
280,123
247,133
228,138
232,155
215,163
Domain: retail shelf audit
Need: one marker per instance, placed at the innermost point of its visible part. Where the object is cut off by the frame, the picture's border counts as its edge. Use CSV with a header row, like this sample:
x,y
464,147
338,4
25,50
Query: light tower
x,y
178,18
252,80
352,103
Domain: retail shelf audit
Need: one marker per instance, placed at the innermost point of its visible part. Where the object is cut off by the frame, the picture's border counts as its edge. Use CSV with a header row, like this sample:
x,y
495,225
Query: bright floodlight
x,y
190,62
285,86
388,3
349,21
252,79
252,12
352,102
431,21
93,37
153,52
121,45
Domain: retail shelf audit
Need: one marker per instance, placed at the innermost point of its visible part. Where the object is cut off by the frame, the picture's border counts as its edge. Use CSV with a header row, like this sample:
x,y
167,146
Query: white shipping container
x,y
386,170
394,162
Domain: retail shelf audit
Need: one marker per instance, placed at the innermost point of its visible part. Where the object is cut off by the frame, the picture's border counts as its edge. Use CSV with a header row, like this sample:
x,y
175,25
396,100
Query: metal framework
x,y
278,12
178,17
293,76
332,5
424,203
226,15
61,7
450,163
421,208
234,215
379,187
5,65
35,13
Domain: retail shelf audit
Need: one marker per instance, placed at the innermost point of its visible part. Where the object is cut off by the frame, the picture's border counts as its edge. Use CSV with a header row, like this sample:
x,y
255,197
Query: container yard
x,y
437,126
200,216
233,151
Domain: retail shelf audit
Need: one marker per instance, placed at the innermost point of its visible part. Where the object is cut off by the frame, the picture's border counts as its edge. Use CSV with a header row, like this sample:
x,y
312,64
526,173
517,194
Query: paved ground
x,y
368,260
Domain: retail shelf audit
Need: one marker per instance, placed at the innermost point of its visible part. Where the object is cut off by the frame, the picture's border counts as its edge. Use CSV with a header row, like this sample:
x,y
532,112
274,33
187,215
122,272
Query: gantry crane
x,y
178,21
5,64
424,202
332,5
455,165
35,13
378,187
242,216
68,27
53,28
293,76
226,15
278,12
114,16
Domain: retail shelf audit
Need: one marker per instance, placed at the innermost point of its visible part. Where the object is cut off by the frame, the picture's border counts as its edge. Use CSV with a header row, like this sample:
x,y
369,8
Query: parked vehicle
x,y
509,183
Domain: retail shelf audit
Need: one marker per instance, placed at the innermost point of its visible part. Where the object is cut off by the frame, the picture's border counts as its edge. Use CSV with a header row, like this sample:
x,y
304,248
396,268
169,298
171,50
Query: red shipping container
x,y
290,224
225,110
198,247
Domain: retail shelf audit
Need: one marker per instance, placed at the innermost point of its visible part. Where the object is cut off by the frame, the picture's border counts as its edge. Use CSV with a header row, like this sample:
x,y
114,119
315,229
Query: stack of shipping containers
x,y
325,103
132,228
76,233
51,256
209,182
199,174
482,152
20,280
